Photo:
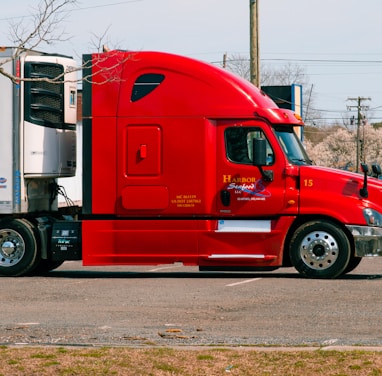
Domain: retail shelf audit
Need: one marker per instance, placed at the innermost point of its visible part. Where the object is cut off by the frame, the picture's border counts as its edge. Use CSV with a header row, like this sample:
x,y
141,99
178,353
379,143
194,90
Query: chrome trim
x,y
367,240
233,256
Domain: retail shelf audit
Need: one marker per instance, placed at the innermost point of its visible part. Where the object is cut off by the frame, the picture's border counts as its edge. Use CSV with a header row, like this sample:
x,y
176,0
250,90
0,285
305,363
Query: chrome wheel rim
x,y
319,250
12,247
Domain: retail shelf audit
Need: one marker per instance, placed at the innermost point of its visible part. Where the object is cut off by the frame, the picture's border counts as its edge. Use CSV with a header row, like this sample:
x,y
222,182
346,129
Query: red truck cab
x,y
186,162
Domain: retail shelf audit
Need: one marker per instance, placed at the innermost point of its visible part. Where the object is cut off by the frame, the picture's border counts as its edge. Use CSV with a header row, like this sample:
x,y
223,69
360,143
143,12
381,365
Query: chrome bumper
x,y
367,240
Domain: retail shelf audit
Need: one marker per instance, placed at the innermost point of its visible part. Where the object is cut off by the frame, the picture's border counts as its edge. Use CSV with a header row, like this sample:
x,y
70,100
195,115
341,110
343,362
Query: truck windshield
x,y
292,146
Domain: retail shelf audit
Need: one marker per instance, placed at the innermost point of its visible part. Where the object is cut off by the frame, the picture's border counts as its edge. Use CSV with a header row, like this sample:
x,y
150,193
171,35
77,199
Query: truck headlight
x,y
373,218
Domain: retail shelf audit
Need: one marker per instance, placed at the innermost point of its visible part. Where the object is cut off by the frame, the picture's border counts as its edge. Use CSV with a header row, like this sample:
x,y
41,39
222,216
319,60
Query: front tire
x,y
18,247
45,266
320,249
353,263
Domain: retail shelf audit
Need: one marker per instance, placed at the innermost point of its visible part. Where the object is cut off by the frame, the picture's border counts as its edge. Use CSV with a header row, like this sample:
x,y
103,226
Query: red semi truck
x,y
186,162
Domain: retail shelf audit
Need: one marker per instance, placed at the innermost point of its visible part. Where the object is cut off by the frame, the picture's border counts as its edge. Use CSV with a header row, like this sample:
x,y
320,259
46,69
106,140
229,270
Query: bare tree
x,y
44,25
283,76
238,64
100,42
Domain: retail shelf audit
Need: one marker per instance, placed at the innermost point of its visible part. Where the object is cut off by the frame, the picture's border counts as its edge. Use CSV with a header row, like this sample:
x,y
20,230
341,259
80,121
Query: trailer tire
x,y
19,252
320,249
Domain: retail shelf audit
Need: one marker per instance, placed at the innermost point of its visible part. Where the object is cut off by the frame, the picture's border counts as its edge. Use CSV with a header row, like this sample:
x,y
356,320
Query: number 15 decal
x,y
308,182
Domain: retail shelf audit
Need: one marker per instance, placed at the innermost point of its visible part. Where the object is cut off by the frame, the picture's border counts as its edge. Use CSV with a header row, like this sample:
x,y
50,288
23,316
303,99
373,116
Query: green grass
x,y
243,361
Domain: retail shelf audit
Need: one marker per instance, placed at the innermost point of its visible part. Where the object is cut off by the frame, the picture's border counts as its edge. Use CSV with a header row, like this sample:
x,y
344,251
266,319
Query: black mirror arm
x,y
363,191
267,175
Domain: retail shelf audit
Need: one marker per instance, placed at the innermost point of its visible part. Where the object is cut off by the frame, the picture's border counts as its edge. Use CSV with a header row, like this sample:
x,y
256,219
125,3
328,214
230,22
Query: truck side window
x,y
239,142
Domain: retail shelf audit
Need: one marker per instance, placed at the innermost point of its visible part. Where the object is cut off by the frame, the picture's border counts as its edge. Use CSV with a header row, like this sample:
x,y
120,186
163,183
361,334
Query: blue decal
x,y
17,187
256,189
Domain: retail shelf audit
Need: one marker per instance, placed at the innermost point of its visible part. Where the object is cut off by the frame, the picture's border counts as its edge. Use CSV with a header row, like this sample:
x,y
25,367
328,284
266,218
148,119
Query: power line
x,y
347,61
76,9
326,60
107,5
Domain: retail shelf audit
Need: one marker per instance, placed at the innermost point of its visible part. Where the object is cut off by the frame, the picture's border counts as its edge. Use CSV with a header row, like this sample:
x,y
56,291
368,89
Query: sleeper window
x,y
145,84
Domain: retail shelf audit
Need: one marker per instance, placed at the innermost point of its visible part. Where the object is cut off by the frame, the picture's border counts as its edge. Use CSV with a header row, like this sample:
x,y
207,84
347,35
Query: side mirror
x,y
259,154
364,168
376,168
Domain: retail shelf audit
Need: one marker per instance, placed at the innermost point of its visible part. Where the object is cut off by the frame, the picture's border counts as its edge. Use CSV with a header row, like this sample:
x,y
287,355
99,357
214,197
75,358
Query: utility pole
x,y
360,149
254,42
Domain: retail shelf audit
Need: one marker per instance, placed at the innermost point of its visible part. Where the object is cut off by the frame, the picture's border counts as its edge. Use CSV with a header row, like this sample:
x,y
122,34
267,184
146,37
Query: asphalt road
x,y
176,305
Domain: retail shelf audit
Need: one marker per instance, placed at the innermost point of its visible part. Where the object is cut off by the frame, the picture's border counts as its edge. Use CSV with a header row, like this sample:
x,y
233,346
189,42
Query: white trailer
x,y
38,110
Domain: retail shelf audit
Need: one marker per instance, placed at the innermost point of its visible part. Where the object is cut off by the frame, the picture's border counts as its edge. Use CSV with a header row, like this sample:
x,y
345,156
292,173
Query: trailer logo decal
x,y
3,180
238,179
248,185
255,189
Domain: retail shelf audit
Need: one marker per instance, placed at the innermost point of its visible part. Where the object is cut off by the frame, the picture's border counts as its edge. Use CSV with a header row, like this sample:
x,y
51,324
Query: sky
x,y
337,42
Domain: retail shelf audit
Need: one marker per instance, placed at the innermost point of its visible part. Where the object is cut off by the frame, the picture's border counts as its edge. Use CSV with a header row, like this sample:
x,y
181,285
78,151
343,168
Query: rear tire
x,y
19,252
320,249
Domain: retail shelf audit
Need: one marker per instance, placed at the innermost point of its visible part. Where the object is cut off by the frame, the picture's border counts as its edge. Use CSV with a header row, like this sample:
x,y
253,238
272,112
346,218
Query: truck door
x,y
242,190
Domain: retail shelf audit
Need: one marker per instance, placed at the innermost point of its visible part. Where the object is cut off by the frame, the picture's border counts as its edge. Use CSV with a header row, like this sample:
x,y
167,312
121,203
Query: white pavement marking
x,y
241,282
166,267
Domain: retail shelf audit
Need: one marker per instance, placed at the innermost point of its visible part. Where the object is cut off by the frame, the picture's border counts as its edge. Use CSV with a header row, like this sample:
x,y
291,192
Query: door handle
x,y
225,197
